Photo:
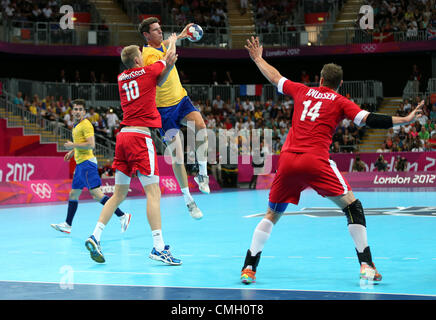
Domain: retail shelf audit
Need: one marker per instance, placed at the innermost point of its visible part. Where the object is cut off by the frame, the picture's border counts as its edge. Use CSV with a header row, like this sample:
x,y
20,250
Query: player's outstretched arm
x,y
170,59
382,121
182,35
255,50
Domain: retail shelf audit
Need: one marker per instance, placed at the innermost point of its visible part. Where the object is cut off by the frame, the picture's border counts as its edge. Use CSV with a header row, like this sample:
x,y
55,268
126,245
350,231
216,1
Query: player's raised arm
x,y
255,50
382,121
170,59
182,35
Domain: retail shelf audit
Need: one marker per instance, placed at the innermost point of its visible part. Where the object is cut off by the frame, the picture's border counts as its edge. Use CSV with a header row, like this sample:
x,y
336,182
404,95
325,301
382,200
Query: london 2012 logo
x,y
170,184
42,190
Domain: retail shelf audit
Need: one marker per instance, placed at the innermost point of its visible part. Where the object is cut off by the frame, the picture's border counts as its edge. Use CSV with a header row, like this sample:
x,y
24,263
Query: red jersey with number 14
x,y
317,112
137,88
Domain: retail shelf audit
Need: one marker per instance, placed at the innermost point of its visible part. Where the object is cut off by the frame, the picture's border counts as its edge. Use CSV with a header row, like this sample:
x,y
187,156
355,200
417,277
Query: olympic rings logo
x,y
41,190
170,184
369,47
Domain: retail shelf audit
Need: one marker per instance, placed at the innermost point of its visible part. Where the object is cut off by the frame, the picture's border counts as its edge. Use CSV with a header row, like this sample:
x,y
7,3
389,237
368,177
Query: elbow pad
x,y
379,121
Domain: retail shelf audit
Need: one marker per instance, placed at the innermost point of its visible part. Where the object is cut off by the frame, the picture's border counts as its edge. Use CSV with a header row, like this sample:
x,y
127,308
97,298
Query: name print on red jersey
x,y
321,95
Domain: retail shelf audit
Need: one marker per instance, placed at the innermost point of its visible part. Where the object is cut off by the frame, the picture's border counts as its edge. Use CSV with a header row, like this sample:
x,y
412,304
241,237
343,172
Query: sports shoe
x,y
248,273
125,221
62,227
248,276
194,211
94,248
203,183
164,256
369,273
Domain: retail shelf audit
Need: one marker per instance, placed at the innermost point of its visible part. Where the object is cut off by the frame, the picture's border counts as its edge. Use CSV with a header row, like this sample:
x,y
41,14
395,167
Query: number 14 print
x,y
313,112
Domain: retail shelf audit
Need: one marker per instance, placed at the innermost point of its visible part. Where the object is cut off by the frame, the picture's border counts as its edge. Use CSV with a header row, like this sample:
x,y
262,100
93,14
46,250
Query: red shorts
x,y
135,151
298,171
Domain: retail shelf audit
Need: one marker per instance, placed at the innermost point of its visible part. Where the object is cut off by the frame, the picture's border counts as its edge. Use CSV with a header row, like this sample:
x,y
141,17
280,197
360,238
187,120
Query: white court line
x,y
38,252
295,257
410,258
324,257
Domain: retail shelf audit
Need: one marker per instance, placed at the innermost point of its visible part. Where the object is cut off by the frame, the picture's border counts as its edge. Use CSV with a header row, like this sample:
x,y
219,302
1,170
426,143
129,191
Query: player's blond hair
x,y
332,74
129,54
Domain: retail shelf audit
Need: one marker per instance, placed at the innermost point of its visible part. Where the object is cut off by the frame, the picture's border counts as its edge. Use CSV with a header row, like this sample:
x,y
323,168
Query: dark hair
x,y
144,26
80,102
332,74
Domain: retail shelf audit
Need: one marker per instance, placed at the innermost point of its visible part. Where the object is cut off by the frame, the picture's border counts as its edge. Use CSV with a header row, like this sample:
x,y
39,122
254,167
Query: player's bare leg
x,y
153,206
160,252
353,210
99,196
73,202
201,146
260,237
93,242
177,156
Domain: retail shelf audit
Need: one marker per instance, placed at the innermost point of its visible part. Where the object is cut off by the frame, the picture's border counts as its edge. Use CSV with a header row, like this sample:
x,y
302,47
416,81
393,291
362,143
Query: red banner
x,y
33,168
383,37
370,180
42,191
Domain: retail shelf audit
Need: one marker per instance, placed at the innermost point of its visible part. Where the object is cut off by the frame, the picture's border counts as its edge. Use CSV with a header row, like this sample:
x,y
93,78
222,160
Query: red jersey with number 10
x,y
317,113
137,88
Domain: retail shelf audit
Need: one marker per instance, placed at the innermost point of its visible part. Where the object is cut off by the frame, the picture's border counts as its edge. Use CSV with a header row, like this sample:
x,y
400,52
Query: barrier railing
x,y
113,34
431,85
109,34
40,125
106,95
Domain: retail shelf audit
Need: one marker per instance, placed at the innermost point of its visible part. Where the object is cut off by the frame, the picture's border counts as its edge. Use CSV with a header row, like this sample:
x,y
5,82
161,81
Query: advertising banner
x,y
371,180
416,161
33,168
43,191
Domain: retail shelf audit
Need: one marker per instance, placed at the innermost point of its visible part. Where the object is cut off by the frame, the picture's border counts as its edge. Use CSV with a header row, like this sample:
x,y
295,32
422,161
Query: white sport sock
x,y
187,195
358,233
158,242
98,230
202,167
260,236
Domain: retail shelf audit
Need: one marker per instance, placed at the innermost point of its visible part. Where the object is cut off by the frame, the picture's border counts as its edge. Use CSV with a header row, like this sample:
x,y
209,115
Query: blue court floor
x,y
309,256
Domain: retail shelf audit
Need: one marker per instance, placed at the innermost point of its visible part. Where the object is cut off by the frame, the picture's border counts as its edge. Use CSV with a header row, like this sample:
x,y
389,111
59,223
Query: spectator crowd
x,y
409,16
38,10
207,13
417,136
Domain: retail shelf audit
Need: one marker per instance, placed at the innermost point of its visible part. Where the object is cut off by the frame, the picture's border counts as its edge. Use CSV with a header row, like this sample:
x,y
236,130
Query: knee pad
x,y
354,213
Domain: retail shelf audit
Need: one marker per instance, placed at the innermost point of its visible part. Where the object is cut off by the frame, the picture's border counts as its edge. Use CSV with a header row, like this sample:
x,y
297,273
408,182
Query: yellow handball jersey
x,y
171,91
82,131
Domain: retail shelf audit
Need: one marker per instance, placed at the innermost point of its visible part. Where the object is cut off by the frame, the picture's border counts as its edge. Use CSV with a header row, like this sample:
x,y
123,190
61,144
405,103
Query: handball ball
x,y
195,33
